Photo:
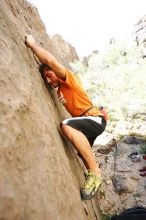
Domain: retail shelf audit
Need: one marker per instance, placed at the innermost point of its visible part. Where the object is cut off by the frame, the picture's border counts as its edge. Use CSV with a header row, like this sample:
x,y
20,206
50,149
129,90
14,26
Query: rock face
x,y
40,175
66,51
123,187
140,34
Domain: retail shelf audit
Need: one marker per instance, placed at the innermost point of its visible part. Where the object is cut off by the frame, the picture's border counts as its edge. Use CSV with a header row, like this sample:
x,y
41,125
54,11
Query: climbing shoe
x,y
135,157
143,173
143,169
90,186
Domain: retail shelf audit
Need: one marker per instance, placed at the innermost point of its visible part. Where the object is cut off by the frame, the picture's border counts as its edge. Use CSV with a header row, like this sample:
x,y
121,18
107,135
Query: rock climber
x,y
87,121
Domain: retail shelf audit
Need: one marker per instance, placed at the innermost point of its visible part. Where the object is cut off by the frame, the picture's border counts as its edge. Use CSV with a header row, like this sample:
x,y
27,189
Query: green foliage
x,y
117,80
143,149
106,217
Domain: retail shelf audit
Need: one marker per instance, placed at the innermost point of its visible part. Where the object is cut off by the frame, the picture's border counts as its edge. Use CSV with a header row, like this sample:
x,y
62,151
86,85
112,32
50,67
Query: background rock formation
x,y
40,175
123,187
140,34
64,50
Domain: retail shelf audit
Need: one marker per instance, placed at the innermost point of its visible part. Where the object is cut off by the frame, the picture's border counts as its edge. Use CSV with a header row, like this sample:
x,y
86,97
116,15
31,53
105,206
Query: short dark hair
x,y
43,67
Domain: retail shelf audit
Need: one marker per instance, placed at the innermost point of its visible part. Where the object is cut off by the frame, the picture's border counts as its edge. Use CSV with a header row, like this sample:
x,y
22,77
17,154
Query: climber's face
x,y
52,79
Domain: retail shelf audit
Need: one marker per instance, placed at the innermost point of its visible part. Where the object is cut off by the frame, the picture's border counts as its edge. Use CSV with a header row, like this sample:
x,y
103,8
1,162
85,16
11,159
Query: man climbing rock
x,y
87,122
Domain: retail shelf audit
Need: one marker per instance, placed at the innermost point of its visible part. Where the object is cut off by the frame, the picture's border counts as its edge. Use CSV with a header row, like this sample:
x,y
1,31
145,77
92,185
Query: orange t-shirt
x,y
73,96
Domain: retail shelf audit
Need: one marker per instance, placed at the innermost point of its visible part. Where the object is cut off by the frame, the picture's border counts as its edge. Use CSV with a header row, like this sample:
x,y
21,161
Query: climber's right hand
x,y
29,41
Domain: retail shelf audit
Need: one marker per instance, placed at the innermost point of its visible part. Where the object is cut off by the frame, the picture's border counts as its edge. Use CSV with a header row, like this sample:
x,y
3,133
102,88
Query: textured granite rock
x,y
40,174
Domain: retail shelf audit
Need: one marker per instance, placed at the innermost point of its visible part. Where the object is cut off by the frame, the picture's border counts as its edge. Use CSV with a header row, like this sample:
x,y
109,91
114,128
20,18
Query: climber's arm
x,y
46,57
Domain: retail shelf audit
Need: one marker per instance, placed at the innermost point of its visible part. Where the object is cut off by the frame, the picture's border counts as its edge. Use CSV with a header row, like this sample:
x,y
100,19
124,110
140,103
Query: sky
x,y
90,24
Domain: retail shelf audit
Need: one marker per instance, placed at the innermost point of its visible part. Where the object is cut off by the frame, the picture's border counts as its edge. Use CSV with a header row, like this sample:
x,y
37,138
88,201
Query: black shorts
x,y
90,126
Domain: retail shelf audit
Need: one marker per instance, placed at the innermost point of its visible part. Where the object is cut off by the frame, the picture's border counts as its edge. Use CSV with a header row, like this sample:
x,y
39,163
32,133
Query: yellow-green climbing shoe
x,y
90,186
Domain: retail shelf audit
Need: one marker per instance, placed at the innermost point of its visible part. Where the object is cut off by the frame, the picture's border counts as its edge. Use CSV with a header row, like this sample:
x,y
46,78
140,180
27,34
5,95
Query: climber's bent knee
x,y
90,126
64,127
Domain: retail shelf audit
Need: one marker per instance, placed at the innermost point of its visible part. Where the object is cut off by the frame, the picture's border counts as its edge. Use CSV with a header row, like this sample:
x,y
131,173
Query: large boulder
x,y
40,174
